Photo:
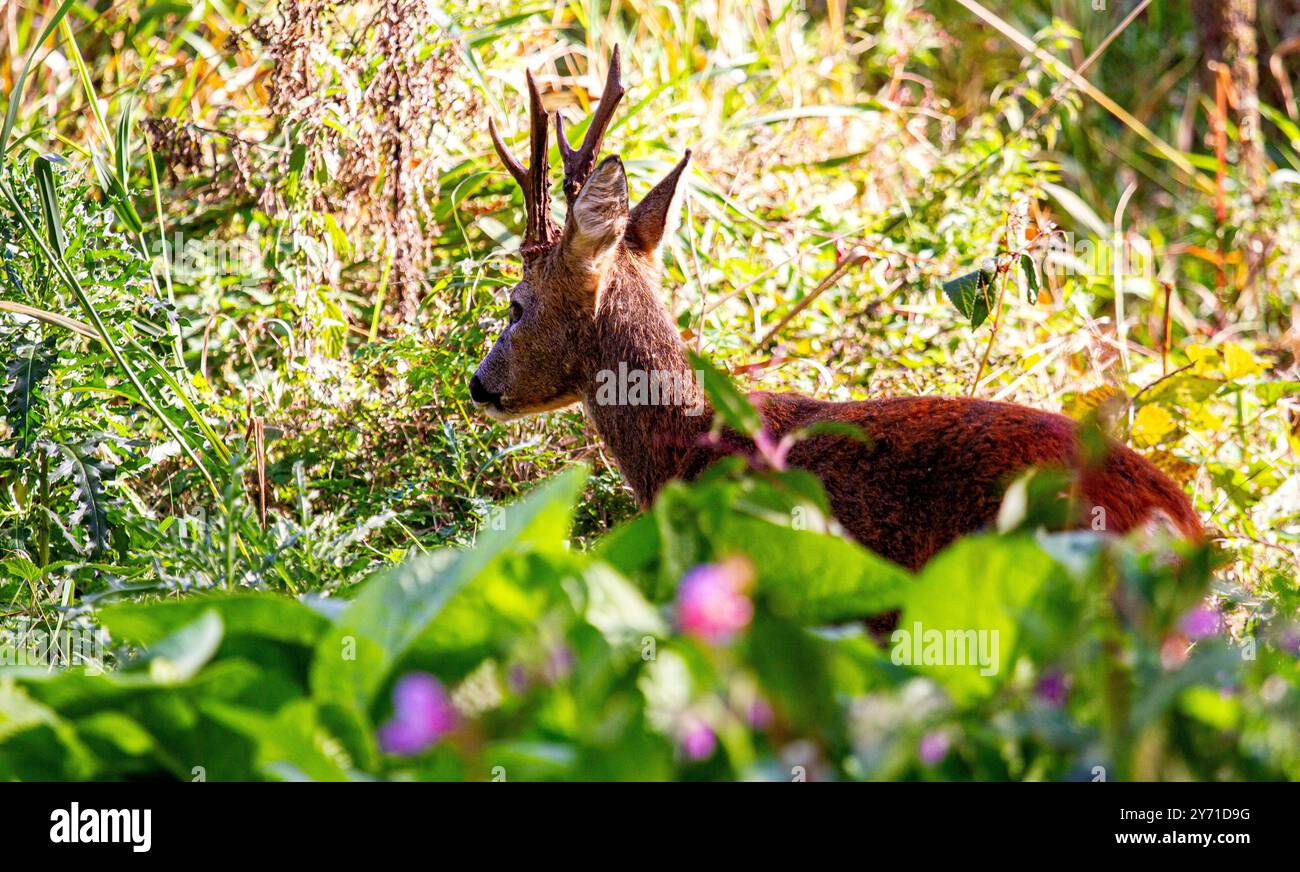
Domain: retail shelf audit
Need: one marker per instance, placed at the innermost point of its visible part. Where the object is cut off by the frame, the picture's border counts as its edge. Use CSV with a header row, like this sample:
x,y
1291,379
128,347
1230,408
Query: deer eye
x,y
516,311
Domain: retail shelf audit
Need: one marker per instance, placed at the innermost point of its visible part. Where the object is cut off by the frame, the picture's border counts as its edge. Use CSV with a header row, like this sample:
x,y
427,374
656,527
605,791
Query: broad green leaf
x,y
964,616
793,668
35,741
1269,392
972,294
179,656
392,609
814,577
293,740
272,616
617,609
631,546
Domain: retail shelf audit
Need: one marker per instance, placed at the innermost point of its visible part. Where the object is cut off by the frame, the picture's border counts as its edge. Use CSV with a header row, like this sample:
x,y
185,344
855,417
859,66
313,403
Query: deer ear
x,y
599,215
656,216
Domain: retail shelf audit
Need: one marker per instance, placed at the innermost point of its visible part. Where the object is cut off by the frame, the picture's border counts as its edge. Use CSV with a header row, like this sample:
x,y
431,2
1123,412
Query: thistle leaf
x,y
24,374
88,475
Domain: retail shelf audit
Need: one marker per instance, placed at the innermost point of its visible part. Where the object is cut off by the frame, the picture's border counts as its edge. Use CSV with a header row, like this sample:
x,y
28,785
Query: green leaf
x,y
270,616
631,546
1031,278
1269,392
1079,210
731,405
793,667
115,190
50,213
179,656
87,474
973,600
814,577
971,294
35,742
122,151
25,372
292,744
393,608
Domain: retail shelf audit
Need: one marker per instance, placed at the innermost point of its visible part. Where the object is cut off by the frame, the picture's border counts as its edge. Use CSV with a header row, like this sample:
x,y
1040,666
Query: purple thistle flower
x,y
422,714
933,748
1199,623
699,741
1053,688
711,601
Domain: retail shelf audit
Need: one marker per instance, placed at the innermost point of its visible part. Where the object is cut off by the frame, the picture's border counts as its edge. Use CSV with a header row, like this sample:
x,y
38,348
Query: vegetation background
x,y
252,253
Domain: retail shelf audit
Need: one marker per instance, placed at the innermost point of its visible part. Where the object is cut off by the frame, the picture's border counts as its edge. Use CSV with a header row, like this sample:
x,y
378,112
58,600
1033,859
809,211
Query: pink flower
x,y
422,714
772,452
699,741
933,748
760,714
1199,623
712,604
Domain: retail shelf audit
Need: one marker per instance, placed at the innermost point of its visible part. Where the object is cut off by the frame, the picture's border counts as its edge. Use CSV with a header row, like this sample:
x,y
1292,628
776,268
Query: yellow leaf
x,y
1095,399
1238,362
1204,359
1204,420
1173,466
1153,423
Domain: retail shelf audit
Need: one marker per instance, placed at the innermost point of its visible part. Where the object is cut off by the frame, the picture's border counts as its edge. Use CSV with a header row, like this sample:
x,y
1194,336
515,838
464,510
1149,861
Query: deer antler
x,y
579,164
540,228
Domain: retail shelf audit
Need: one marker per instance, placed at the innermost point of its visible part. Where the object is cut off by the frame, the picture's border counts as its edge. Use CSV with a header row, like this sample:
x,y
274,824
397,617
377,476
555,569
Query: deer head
x,y
561,311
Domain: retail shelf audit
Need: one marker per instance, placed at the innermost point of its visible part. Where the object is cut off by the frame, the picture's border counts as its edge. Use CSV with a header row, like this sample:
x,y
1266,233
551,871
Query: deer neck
x,y
641,393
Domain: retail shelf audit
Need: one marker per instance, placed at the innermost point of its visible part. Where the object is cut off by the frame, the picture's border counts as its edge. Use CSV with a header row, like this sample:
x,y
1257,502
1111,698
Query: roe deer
x,y
587,305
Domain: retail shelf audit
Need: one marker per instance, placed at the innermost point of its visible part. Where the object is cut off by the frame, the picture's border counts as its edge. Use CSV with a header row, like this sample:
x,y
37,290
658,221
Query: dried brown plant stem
x,y
852,258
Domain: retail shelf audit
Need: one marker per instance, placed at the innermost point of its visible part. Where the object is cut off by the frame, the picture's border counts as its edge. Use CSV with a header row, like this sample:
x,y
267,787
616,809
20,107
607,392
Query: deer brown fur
x,y
930,468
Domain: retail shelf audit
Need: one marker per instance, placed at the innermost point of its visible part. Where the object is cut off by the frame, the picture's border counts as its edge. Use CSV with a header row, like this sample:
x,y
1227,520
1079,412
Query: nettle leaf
x,y
24,374
971,294
88,475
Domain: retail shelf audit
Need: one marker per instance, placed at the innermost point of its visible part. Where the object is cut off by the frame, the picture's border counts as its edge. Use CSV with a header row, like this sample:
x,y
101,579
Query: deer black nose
x,y
480,394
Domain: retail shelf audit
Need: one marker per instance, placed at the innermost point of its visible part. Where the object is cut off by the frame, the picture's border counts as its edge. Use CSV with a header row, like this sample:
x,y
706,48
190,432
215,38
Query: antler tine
x,y
512,163
541,227
579,164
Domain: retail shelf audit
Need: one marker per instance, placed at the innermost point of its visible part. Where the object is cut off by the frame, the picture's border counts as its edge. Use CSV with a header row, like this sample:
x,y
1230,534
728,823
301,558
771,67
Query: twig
x,y
997,320
855,256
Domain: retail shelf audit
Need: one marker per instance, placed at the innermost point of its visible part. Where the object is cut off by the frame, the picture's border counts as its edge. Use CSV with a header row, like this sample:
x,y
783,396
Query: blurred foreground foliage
x,y
567,664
